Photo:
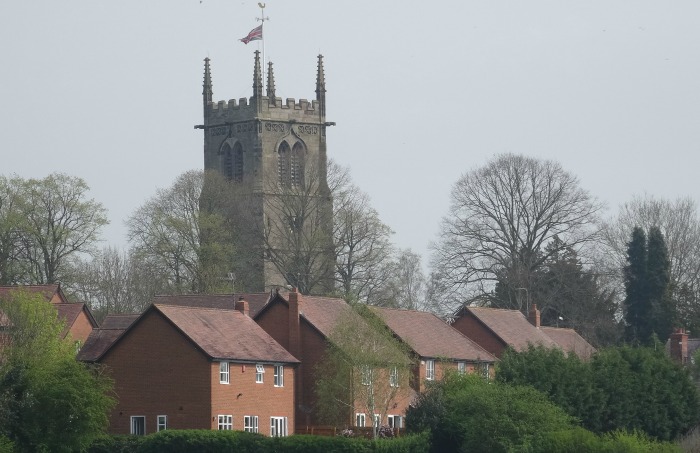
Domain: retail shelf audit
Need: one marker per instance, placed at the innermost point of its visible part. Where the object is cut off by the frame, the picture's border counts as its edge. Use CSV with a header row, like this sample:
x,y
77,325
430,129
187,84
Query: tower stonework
x,y
273,152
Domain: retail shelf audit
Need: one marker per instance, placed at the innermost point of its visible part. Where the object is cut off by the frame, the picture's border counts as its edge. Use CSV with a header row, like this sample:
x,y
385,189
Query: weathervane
x,y
262,19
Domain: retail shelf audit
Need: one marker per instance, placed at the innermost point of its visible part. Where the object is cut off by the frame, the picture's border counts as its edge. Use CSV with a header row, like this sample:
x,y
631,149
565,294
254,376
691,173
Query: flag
x,y
254,35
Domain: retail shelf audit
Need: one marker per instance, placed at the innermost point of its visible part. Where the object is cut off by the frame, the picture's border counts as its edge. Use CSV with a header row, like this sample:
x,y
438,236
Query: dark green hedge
x,y
580,440
202,441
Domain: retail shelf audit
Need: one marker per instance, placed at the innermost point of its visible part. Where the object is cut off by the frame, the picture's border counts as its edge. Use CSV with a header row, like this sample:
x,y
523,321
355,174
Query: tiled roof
x,y
325,312
570,341
68,313
47,291
512,327
256,301
97,343
430,336
226,334
118,321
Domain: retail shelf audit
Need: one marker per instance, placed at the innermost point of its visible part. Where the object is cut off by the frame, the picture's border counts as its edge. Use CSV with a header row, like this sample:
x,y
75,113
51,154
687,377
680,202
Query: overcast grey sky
x,y
420,91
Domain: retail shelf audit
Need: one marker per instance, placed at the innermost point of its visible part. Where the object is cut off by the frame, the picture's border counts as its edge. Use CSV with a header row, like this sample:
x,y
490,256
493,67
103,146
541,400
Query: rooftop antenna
x,y
262,19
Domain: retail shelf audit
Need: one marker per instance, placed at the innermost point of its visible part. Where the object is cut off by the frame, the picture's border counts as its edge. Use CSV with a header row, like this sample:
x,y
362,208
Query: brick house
x,y
436,346
303,325
186,367
78,319
496,329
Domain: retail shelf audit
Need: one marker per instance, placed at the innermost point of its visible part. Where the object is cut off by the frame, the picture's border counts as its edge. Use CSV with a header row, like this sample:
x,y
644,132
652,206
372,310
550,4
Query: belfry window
x,y
237,165
283,163
290,170
233,162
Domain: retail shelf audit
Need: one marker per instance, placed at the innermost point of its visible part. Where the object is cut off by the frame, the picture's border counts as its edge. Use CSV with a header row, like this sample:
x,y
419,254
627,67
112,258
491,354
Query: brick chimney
x,y
534,316
242,306
679,346
294,323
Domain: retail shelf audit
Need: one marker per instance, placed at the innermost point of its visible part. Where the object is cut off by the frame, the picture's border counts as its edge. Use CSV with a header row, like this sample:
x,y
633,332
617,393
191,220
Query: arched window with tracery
x,y
237,164
228,161
283,161
233,162
296,165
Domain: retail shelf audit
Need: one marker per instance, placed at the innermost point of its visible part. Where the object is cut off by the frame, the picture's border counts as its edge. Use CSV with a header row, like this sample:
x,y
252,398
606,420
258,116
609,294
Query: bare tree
x,y
362,246
297,230
501,218
191,246
59,224
116,282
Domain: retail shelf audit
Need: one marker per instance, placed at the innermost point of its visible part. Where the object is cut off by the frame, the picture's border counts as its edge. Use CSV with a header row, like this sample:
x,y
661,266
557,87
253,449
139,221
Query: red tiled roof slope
x,y
570,341
325,312
512,327
46,291
68,313
226,334
256,301
118,321
430,336
97,344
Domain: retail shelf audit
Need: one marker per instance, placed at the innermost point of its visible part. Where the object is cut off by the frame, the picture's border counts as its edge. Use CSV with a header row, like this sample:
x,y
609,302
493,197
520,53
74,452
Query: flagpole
x,y
262,19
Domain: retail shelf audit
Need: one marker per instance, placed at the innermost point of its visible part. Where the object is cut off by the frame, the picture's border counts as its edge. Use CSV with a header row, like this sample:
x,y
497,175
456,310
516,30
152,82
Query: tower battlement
x,y
290,103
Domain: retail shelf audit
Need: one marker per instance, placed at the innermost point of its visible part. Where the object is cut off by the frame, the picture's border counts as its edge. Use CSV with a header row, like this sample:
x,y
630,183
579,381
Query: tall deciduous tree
x,y
361,243
116,282
190,245
638,311
48,400
501,218
12,268
59,224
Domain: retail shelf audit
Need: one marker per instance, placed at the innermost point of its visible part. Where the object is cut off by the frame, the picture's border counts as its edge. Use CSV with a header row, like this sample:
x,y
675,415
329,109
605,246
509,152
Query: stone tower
x,y
274,155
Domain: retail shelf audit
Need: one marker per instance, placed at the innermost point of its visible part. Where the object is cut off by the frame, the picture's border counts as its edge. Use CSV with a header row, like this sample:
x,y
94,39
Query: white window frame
x,y
395,421
225,422
224,373
161,422
259,374
279,375
462,367
430,370
134,428
360,420
377,420
278,426
250,423
394,377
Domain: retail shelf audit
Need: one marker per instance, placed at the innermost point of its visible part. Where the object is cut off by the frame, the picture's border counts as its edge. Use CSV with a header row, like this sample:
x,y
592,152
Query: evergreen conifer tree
x,y
638,311
658,281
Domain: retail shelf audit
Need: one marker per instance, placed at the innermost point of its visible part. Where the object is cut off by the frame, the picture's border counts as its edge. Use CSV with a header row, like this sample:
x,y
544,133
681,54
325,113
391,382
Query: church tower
x,y
274,155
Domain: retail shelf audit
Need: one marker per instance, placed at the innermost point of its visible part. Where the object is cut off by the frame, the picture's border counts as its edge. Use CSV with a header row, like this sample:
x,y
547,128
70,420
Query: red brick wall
x,y
274,321
81,328
478,333
313,347
157,371
243,396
